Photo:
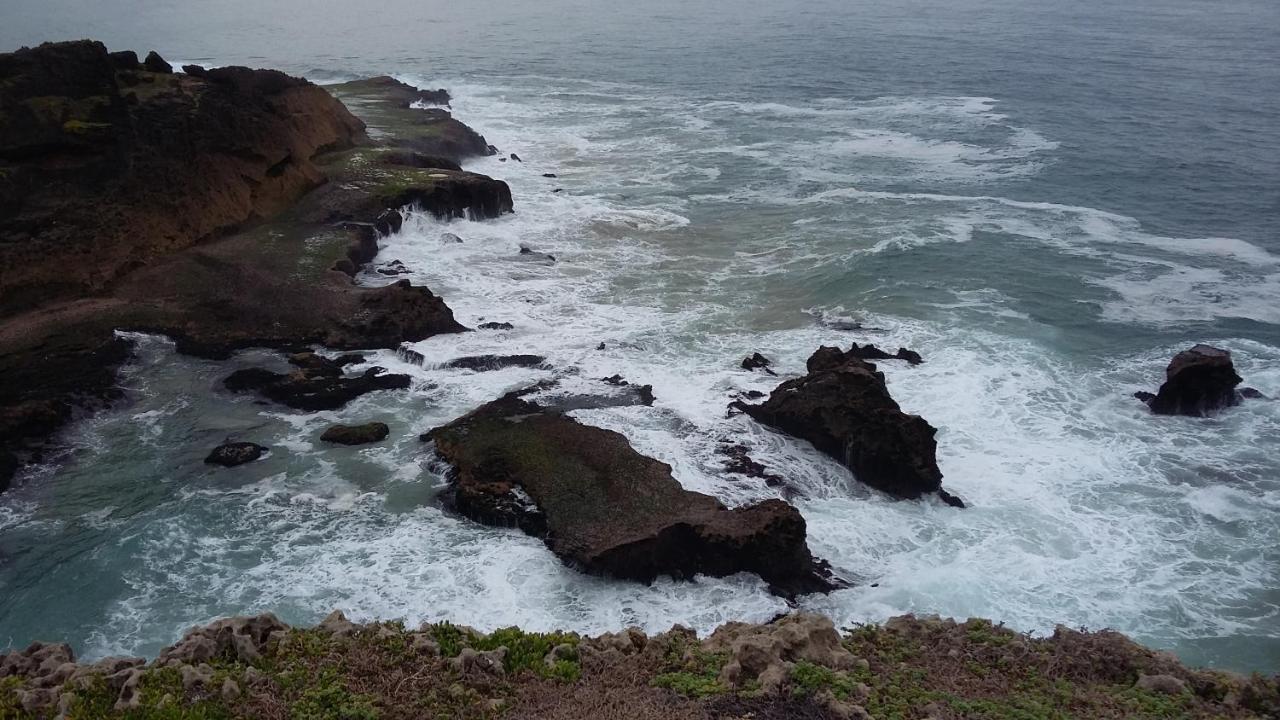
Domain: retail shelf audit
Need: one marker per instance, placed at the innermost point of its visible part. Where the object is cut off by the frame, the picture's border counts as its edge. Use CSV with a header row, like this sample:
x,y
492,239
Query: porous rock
x,y
241,639
765,653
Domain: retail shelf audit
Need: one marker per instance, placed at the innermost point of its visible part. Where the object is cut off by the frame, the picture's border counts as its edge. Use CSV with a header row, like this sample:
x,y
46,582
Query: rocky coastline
x,y
233,208
226,208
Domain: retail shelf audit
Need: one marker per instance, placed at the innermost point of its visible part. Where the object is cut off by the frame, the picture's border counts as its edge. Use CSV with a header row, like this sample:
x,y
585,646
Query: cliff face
x,y
106,165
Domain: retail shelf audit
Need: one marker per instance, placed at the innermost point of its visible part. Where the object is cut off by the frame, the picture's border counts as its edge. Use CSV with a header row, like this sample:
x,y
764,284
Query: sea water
x,y
1045,201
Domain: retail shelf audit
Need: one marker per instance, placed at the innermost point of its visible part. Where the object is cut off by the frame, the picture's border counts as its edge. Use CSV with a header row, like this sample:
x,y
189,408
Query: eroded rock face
x,y
1200,381
767,653
844,408
603,507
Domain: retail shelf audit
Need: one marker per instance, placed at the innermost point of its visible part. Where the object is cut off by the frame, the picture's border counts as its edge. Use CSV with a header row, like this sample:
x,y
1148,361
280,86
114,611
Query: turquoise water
x,y
1045,201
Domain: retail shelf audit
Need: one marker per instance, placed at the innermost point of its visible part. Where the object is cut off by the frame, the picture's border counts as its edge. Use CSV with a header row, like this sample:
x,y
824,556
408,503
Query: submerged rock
x,y
497,326
1198,382
528,253
356,434
236,453
601,506
844,408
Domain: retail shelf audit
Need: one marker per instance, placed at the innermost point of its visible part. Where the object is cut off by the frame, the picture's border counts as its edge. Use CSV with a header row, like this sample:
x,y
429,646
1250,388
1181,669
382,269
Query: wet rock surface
x,y
486,363
738,460
843,407
356,434
756,361
607,509
1198,382
313,389
235,453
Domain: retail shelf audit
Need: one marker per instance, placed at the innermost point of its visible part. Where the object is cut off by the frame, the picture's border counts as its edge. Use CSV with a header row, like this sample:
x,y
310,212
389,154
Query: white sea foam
x,y
1084,508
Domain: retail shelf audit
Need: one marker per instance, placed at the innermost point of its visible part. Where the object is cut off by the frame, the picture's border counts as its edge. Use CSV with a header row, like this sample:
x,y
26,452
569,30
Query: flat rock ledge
x,y
606,509
843,407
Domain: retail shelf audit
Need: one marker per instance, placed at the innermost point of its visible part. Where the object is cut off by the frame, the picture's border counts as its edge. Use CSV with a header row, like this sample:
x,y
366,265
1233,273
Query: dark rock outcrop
x,y
871,352
828,357
356,434
1198,382
312,390
138,199
404,94
431,131
496,326
602,507
235,453
644,393
738,460
844,408
485,363
45,388
106,176
528,253
156,64
756,361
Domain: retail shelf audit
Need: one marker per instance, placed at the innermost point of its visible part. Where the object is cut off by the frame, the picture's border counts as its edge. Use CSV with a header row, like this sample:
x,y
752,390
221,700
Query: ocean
x,y
1046,200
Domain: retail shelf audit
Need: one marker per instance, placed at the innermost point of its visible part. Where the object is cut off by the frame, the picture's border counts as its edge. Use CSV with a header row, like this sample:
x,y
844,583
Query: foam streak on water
x,y
689,233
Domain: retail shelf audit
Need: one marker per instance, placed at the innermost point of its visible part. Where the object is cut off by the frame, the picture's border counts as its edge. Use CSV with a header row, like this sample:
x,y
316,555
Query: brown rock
x,y
603,507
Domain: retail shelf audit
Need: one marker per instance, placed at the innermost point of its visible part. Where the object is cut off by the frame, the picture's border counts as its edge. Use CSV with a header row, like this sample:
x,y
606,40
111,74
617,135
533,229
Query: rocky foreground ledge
x,y
797,666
